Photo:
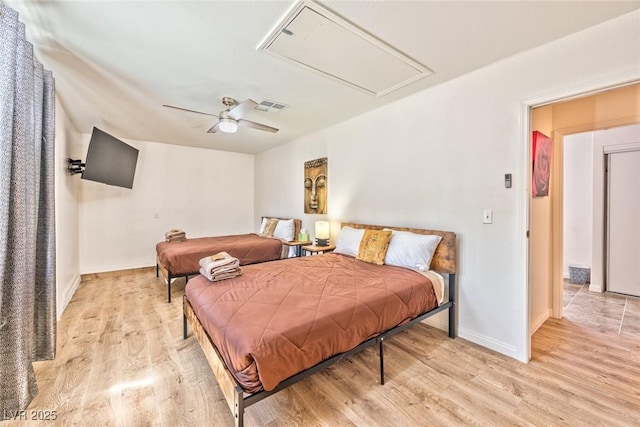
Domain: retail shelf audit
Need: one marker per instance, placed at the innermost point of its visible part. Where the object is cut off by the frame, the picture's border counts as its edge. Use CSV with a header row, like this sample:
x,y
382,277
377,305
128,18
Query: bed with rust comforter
x,y
181,258
280,318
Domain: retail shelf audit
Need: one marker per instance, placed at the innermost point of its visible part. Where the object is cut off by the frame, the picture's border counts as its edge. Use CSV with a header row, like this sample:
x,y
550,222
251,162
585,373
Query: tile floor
x,y
607,312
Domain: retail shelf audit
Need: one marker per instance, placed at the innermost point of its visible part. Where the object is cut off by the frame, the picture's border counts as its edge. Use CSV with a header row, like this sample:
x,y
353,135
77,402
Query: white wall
x,y
578,200
203,192
66,206
438,158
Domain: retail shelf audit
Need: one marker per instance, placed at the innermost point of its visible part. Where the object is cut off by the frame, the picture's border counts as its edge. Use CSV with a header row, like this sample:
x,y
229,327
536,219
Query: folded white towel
x,y
174,235
221,275
219,262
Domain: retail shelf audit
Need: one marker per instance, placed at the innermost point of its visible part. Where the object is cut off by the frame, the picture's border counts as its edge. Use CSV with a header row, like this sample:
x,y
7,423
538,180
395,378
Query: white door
x,y
623,231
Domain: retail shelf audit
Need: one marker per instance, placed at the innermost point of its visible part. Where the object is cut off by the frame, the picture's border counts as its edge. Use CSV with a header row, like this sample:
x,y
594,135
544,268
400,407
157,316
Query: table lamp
x,y
322,233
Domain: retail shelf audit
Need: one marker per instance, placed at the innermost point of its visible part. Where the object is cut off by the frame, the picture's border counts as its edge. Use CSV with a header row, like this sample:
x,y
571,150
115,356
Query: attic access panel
x,y
319,40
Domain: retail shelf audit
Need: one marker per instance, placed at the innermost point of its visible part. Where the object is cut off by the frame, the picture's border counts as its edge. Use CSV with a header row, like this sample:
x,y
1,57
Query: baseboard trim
x,y
441,321
67,295
539,321
490,343
115,273
595,288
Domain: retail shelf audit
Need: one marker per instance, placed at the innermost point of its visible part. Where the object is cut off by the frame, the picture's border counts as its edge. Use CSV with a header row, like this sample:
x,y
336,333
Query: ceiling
x,y
117,63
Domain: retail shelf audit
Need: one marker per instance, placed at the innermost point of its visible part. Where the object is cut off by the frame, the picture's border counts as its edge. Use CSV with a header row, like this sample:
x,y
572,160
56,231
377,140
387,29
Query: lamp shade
x,y
227,125
322,233
322,229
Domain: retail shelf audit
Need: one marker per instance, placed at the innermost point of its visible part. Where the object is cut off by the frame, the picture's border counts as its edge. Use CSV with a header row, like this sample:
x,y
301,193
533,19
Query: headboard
x,y
297,223
444,258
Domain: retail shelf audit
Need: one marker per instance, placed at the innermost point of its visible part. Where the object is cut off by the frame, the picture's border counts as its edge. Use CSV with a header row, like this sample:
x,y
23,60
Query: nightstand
x,y
298,245
314,249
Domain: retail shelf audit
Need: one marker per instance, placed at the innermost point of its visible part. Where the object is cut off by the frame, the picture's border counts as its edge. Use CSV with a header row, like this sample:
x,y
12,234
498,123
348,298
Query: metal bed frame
x,y
238,400
170,277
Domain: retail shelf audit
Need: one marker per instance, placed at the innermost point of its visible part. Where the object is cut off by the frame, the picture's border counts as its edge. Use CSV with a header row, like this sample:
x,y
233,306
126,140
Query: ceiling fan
x,y
230,118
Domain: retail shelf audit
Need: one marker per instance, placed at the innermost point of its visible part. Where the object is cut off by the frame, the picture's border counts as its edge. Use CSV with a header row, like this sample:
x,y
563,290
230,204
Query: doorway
x,y
609,108
606,312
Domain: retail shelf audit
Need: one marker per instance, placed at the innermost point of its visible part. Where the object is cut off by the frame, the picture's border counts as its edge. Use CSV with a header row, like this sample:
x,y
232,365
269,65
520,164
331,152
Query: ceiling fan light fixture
x,y
227,125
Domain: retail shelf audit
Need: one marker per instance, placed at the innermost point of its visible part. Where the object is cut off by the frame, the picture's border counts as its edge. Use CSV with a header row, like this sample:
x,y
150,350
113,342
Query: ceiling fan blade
x,y
240,110
191,111
214,128
254,125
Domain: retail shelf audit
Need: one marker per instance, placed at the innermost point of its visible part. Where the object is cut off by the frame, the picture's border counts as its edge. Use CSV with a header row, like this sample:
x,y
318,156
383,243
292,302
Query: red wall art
x,y
541,154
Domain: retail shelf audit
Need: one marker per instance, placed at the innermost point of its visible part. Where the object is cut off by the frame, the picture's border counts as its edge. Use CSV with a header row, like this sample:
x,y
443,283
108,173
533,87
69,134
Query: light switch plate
x,y
487,216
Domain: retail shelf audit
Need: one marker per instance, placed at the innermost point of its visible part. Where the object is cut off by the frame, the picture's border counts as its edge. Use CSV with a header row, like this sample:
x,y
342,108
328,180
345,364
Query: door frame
x,y
583,89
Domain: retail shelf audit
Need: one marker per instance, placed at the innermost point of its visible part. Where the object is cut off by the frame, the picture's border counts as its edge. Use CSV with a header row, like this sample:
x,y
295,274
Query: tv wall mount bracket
x,y
75,166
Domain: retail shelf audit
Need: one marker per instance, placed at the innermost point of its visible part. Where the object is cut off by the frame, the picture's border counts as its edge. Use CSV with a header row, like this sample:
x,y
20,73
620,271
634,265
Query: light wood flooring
x,y
121,361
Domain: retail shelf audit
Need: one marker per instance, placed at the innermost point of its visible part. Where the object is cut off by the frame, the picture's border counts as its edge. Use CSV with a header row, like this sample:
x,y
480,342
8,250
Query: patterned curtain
x,y
27,228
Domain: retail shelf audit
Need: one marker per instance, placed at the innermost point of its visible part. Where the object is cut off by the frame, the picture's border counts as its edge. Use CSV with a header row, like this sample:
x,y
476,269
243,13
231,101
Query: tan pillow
x,y
270,227
373,246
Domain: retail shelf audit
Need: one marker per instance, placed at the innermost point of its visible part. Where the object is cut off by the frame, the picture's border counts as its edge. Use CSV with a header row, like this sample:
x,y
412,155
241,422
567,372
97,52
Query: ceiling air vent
x,y
317,39
271,106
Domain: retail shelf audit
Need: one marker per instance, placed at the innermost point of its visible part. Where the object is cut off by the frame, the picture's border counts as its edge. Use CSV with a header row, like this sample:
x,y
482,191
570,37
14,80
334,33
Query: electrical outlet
x,y
487,216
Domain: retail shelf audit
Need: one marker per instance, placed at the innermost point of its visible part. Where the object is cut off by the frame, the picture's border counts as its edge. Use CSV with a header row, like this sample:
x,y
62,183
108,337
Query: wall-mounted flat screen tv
x,y
110,160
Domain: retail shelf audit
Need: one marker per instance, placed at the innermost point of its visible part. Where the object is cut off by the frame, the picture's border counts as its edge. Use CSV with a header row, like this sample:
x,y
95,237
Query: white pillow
x,y
285,229
349,241
411,250
263,225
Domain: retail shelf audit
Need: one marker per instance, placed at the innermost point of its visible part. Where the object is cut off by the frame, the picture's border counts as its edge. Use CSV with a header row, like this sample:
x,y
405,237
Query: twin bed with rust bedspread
x,y
177,259
181,258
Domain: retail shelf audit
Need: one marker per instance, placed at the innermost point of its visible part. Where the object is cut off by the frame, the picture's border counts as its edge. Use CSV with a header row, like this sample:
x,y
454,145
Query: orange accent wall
x,y
615,107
